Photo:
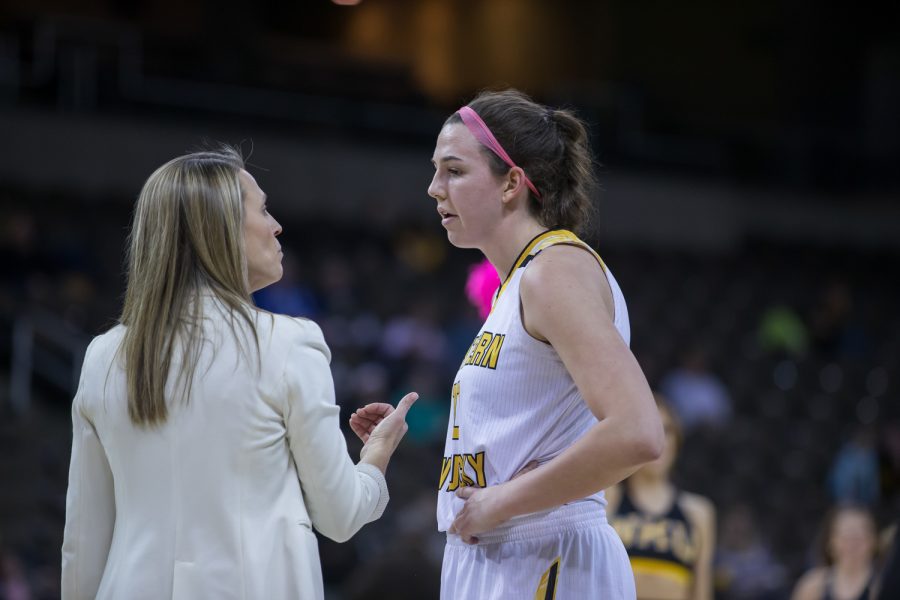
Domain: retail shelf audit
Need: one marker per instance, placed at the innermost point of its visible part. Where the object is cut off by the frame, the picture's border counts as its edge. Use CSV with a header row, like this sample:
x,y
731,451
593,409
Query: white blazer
x,y
220,501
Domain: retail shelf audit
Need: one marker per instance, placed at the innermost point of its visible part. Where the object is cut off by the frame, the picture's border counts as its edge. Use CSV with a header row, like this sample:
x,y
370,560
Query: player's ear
x,y
514,184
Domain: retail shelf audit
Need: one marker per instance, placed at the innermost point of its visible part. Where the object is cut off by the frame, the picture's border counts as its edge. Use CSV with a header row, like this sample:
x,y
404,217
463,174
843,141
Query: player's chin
x,y
460,240
658,467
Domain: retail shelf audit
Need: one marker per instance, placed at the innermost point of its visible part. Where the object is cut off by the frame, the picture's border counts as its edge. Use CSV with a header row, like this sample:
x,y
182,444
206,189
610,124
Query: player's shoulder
x,y
568,273
562,260
697,507
558,266
811,584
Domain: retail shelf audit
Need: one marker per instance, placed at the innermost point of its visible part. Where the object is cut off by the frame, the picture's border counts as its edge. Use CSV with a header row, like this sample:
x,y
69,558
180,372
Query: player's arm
x,y
613,496
567,302
703,517
811,586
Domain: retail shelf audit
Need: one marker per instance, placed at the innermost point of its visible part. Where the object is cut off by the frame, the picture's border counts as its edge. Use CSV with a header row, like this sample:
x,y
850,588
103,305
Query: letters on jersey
x,y
485,350
460,470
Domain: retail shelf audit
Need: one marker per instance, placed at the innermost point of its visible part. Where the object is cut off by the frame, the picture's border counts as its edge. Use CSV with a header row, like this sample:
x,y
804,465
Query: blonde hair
x,y
186,241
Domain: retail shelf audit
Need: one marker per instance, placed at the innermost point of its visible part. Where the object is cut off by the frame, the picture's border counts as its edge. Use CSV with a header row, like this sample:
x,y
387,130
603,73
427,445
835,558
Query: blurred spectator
x,y
889,464
698,397
888,585
669,533
369,383
429,426
50,272
746,568
24,264
415,333
848,551
854,476
423,252
461,328
782,331
13,580
409,567
481,286
76,299
337,281
834,330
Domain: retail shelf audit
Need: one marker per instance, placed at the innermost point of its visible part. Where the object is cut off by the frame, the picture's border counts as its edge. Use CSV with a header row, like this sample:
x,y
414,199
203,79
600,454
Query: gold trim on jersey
x,y
546,589
662,568
545,240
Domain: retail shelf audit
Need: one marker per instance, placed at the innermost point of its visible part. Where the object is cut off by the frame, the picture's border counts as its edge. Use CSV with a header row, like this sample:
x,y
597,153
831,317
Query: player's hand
x,y
480,513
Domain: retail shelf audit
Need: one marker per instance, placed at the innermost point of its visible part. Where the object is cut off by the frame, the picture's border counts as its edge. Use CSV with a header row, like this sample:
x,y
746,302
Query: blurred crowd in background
x,y
783,374
778,349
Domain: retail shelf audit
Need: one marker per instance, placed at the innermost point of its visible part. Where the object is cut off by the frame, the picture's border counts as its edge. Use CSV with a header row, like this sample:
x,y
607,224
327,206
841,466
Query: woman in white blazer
x,y
206,444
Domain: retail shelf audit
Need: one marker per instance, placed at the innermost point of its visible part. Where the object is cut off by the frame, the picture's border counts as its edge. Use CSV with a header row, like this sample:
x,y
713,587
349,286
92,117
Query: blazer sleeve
x,y
341,497
90,506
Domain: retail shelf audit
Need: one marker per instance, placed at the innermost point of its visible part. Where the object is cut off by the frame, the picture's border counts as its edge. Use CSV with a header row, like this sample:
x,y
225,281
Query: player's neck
x,y
509,240
651,484
853,570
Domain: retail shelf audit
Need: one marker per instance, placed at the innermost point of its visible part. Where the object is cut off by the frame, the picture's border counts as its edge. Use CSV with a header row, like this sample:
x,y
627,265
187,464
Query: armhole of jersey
x,y
578,244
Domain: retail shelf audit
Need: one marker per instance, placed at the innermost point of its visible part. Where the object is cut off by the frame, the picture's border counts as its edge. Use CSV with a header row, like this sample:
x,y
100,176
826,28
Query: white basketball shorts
x,y
568,553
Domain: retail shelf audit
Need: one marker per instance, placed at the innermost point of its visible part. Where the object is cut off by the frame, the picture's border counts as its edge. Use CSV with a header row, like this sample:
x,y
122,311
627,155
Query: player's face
x,y
260,229
852,537
468,193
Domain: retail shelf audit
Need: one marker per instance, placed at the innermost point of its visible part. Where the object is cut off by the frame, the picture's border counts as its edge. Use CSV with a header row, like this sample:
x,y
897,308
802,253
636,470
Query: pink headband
x,y
483,134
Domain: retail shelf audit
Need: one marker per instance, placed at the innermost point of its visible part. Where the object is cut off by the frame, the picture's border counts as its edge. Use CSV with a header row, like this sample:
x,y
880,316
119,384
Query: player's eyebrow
x,y
445,159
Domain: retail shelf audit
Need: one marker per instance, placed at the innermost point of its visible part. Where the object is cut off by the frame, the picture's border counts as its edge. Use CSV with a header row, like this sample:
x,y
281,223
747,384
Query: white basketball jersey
x,y
513,401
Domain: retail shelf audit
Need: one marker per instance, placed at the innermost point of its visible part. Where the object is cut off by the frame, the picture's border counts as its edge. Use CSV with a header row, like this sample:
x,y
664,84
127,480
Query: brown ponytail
x,y
552,148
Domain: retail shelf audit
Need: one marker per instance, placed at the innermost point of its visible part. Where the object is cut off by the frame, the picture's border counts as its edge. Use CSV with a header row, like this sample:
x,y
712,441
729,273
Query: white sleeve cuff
x,y
383,496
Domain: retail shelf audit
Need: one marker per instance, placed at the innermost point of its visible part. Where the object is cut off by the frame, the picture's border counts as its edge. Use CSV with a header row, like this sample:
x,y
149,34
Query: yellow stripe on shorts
x,y
546,589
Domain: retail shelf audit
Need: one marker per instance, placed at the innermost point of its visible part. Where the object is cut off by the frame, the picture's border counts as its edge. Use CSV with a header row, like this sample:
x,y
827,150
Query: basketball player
x,y
549,378
669,534
849,549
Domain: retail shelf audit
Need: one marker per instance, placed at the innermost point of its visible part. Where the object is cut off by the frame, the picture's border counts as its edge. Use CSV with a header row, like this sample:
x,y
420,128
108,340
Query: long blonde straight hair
x,y
186,241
